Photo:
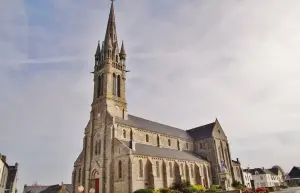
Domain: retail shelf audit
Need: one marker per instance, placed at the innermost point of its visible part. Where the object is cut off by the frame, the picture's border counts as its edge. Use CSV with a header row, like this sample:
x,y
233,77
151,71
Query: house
x,y
56,188
279,173
11,183
8,176
3,173
293,178
247,176
264,178
237,171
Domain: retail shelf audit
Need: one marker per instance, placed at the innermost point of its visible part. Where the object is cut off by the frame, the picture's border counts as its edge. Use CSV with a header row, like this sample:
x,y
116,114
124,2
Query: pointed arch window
x,y
187,146
171,169
99,84
178,145
157,169
118,85
124,133
120,169
182,170
102,85
79,176
192,171
141,172
169,142
158,144
98,147
114,84
147,138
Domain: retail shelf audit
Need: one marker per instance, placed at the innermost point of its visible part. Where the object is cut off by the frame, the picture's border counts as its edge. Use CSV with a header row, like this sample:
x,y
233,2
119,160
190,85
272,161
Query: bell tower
x,y
110,72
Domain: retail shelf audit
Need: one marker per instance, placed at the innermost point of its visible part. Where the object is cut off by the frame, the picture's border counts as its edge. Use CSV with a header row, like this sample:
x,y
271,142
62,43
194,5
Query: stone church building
x,y
122,152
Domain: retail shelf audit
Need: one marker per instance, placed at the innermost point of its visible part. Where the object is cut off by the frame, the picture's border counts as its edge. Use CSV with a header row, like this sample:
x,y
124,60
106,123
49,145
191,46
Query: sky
x,y
190,62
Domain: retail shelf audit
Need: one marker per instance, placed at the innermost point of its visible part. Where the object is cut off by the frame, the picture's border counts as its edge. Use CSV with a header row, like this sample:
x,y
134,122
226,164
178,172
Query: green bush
x,y
165,190
181,185
144,191
214,188
176,191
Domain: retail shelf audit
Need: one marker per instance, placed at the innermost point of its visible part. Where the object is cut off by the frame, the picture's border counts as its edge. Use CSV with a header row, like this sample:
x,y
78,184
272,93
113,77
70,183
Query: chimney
x,y
16,165
237,160
263,168
133,145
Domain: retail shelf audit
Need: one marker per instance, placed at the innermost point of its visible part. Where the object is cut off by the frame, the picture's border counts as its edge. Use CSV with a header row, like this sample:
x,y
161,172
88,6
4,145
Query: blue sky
x,y
190,61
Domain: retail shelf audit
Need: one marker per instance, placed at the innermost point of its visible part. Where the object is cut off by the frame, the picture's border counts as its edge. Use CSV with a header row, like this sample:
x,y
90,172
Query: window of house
x,y
141,168
192,171
157,139
187,146
120,169
157,169
147,138
261,178
171,169
124,133
200,145
178,145
169,142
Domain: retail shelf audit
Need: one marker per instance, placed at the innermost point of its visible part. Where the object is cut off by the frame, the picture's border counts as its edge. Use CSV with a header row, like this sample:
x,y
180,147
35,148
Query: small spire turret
x,y
98,50
122,52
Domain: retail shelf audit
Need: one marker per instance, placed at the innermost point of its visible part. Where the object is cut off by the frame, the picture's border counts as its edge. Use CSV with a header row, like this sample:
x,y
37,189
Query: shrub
x,y
181,185
144,191
176,191
165,190
199,188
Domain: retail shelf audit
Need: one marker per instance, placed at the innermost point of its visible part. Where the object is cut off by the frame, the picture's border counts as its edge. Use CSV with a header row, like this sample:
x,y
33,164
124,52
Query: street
x,y
290,190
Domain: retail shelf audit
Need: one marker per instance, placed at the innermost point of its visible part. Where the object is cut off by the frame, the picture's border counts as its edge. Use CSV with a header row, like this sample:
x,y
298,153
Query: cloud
x,y
190,62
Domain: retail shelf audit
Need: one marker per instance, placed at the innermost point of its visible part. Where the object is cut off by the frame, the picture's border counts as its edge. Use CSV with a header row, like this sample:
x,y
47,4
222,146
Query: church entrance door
x,y
97,184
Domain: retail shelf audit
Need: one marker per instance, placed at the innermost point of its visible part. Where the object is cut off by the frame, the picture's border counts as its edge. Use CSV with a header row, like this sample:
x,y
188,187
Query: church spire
x,y
111,25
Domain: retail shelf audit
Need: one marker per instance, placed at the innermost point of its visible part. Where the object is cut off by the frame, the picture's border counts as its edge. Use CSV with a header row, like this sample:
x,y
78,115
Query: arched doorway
x,y
95,182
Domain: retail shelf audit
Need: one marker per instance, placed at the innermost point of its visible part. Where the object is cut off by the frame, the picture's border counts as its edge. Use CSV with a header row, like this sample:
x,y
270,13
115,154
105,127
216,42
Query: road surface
x,y
290,190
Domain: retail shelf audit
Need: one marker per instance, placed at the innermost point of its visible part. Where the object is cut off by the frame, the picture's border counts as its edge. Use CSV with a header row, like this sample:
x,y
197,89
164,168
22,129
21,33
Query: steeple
x,y
110,72
111,24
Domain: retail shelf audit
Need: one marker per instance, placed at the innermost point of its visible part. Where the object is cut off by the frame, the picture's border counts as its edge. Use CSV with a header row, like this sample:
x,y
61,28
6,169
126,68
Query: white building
x,y
264,178
3,173
247,178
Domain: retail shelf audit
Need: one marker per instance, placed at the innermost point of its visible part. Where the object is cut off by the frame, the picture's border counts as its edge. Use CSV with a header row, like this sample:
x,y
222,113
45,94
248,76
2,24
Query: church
x,y
123,152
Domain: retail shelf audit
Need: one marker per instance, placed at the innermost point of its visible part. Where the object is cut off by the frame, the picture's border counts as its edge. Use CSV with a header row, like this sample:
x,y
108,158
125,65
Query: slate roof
x,y
150,150
46,189
34,188
154,126
295,172
260,171
197,133
202,132
274,170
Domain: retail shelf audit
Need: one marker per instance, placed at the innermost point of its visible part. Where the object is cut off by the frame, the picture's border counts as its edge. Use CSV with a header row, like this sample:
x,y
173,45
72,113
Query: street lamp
x,y
92,190
80,189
